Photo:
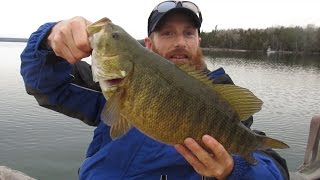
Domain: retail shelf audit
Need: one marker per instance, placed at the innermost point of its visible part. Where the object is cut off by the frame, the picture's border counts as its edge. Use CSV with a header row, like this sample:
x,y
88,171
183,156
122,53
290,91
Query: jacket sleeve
x,y
270,164
267,168
58,85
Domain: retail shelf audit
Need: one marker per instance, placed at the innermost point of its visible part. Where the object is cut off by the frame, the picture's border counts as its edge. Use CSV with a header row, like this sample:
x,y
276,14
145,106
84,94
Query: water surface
x,y
47,145
289,86
39,142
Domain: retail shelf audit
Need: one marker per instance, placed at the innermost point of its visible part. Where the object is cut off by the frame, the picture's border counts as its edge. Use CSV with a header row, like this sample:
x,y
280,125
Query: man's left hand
x,y
218,163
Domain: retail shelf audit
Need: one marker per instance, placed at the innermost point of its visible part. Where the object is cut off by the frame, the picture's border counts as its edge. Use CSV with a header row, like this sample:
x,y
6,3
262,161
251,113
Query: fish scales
x,y
173,112
169,102
173,126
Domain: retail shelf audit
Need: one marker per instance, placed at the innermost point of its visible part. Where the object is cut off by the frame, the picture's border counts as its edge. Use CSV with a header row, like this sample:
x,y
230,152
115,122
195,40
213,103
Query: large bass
x,y
169,102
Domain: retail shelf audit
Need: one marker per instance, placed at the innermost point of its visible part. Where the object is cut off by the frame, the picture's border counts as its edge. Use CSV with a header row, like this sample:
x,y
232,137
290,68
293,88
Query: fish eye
x,y
115,35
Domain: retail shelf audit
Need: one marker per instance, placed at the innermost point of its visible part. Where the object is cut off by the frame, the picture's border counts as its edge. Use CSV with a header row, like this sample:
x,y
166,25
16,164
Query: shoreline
x,y
257,51
224,50
3,39
208,49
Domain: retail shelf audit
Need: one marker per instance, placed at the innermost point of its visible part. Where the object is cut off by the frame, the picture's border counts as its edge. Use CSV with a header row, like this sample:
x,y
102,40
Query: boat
x,y
269,51
310,169
7,173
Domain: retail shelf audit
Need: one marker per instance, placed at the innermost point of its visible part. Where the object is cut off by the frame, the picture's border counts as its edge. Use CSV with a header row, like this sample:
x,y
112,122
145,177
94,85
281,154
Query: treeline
x,y
295,39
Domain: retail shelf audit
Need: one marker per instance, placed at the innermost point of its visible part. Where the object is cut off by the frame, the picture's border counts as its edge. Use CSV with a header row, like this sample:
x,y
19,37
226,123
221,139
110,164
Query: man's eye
x,y
167,33
190,33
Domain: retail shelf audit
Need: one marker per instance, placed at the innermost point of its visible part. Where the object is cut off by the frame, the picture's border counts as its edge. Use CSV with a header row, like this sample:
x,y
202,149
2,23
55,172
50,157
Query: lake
x,y
47,145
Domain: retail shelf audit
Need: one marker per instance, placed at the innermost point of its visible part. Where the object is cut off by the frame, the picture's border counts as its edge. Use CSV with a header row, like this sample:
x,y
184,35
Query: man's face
x,y
177,40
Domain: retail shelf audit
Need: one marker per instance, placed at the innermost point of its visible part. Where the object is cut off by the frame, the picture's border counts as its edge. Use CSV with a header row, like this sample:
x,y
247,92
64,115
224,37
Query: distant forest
x,y
294,39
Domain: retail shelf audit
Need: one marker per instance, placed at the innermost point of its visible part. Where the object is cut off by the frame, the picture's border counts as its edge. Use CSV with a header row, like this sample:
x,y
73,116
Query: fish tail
x,y
268,142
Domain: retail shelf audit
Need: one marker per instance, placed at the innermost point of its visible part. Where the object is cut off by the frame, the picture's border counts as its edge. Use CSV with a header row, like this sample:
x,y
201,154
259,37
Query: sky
x,y
20,18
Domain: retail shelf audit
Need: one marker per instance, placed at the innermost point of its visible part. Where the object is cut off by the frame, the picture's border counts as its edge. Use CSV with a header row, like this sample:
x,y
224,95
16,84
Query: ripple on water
x,y
291,98
290,93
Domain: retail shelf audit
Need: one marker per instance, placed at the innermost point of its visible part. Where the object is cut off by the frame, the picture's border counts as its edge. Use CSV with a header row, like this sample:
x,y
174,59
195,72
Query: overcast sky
x,y
19,18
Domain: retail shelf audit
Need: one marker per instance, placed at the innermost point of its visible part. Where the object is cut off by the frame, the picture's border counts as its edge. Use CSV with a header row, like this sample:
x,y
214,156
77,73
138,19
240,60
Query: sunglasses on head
x,y
168,5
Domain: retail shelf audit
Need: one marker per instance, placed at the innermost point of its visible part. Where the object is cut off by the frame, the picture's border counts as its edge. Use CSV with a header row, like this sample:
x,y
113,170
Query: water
x,y
47,145
39,142
290,89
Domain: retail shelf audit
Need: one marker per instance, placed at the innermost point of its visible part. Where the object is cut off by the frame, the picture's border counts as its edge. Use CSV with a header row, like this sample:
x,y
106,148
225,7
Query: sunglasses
x,y
168,5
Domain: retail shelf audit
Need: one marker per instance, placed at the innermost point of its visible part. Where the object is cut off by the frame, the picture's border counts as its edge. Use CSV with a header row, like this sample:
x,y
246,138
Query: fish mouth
x,y
112,79
114,82
110,85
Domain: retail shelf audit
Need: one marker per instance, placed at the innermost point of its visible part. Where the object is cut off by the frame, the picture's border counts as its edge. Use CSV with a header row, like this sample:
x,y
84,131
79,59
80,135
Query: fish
x,y
166,101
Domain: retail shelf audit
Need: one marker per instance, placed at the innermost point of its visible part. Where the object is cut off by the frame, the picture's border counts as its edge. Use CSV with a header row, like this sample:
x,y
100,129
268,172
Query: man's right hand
x,y
69,39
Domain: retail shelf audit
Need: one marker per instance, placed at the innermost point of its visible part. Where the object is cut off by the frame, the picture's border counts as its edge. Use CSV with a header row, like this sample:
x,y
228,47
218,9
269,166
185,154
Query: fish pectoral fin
x,y
243,101
250,159
97,26
111,116
120,128
111,111
268,142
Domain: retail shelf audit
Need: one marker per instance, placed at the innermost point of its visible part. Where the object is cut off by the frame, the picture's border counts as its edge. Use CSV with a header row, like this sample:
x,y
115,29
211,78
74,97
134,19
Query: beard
x,y
195,59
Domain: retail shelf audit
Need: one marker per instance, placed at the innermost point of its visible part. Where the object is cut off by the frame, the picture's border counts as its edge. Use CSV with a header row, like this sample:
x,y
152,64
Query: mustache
x,y
196,59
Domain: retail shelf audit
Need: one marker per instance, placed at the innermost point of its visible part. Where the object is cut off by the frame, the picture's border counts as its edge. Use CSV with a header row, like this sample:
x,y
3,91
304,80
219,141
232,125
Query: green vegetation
x,y
294,39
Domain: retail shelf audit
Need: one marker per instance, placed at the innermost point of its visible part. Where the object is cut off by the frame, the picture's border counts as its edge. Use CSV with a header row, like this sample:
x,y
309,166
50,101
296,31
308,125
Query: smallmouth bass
x,y
169,102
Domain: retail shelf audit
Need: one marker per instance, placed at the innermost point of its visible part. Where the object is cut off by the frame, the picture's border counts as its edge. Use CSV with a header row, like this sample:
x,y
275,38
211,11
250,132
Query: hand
x,y
69,39
218,163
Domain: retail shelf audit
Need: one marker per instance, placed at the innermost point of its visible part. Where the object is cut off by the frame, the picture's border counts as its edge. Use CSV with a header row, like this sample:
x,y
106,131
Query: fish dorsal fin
x,y
97,26
244,102
111,116
192,71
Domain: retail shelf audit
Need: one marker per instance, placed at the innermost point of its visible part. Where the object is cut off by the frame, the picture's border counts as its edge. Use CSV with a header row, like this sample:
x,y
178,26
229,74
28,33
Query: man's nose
x,y
180,41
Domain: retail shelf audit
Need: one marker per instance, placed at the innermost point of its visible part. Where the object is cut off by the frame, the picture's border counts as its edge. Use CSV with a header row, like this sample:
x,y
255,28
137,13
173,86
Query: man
x,y
54,74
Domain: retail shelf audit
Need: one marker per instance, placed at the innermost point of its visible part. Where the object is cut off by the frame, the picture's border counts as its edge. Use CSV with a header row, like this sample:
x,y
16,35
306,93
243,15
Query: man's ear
x,y
199,41
148,43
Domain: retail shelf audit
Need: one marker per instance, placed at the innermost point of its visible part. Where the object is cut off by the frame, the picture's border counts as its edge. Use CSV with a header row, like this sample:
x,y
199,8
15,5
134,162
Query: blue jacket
x,y
69,89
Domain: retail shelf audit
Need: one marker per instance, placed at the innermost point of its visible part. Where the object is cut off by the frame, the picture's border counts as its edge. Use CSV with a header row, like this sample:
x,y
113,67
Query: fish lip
x,y
112,75
112,55
110,85
107,78
114,82
111,79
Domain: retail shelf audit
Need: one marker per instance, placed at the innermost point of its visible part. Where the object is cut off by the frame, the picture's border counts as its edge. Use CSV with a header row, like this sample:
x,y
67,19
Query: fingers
x,y
69,39
80,35
199,152
222,159
190,157
217,149
216,162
